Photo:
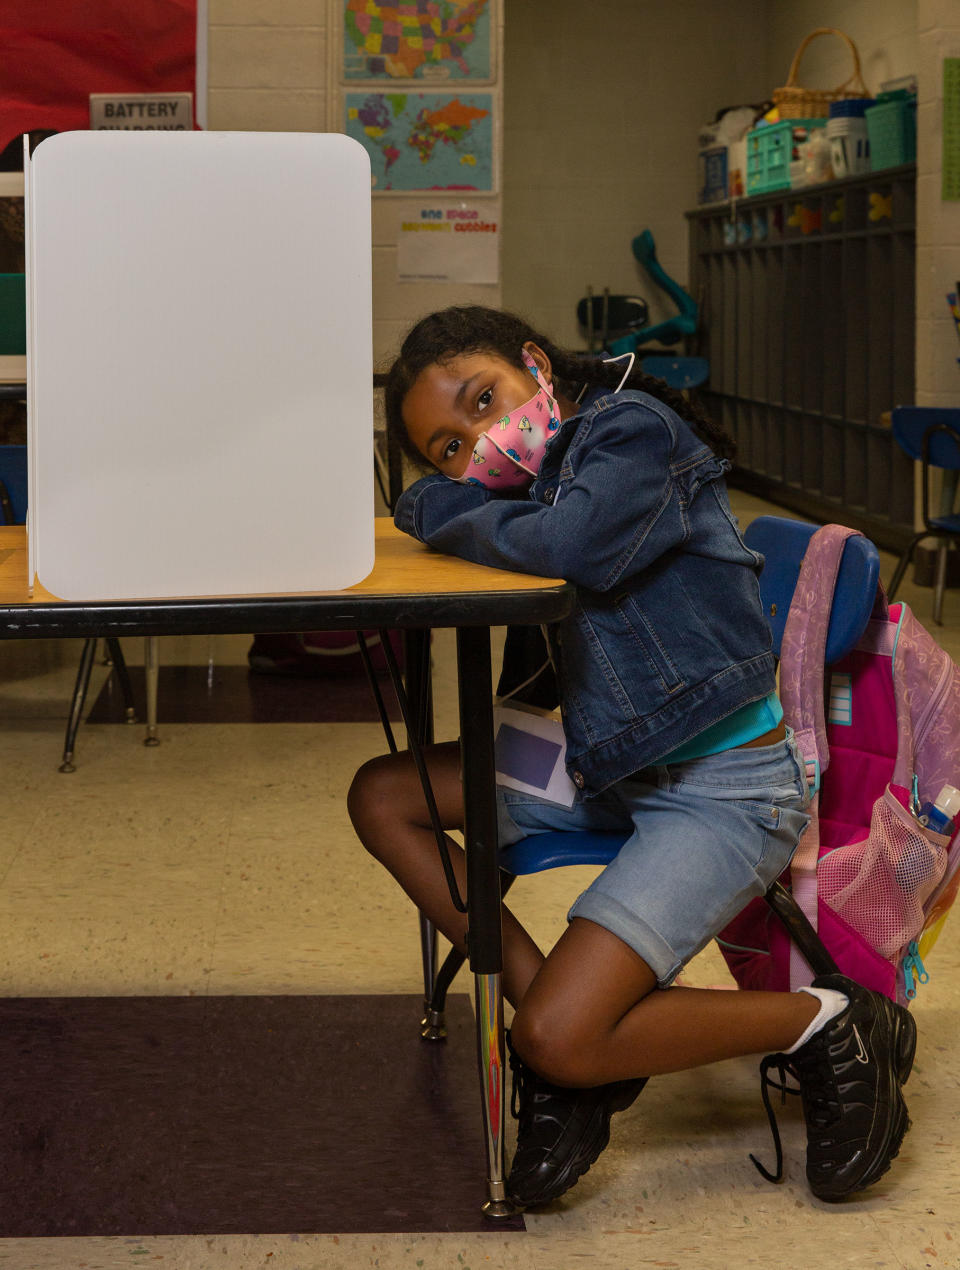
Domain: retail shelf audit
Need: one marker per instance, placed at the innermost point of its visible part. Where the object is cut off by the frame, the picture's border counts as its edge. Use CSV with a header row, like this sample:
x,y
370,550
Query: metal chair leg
x,y
902,565
434,1022
432,1025
941,582
800,930
151,666
123,677
76,705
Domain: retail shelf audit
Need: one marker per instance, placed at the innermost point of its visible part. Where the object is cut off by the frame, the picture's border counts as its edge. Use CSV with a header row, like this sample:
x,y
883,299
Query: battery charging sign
x,y
141,112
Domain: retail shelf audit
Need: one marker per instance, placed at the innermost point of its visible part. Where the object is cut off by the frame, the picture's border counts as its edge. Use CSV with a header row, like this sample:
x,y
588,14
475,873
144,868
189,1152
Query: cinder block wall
x,y
938,221
274,66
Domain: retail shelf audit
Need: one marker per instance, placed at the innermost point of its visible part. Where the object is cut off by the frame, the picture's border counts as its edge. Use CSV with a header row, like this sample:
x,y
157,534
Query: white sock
x,y
832,1003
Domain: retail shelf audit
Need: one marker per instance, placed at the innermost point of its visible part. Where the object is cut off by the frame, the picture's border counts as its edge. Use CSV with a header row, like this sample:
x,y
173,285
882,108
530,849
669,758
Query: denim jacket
x,y
667,634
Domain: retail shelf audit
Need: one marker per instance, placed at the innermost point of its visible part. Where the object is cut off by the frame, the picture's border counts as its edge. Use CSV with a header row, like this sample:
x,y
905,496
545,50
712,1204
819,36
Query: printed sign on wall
x,y
141,112
449,244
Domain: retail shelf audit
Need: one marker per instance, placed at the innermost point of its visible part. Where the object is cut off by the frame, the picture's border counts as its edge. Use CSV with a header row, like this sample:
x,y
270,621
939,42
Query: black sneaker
x,y
850,1074
560,1131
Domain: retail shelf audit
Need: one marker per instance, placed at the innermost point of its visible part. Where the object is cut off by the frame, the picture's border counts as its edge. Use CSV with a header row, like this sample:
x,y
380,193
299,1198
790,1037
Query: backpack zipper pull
x,y
913,965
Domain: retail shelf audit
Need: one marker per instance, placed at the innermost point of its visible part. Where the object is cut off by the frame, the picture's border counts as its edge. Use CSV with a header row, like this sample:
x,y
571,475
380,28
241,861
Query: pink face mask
x,y
508,455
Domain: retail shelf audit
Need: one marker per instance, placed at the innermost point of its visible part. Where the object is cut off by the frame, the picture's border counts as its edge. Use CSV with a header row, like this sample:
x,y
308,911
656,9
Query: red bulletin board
x,y
57,52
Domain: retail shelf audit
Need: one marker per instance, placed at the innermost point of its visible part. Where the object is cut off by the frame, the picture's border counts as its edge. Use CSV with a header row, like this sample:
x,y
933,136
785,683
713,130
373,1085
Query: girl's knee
x,y
386,791
553,1050
375,790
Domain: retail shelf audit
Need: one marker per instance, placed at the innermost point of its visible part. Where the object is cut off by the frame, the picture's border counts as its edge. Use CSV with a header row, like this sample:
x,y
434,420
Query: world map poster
x,y
425,141
418,39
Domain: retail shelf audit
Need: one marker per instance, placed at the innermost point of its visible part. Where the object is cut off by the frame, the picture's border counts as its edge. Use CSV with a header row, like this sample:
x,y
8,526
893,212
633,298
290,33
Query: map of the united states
x,y
419,39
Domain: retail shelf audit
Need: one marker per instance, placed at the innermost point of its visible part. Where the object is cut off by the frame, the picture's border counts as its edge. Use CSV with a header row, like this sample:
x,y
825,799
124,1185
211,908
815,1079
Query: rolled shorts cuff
x,y
633,930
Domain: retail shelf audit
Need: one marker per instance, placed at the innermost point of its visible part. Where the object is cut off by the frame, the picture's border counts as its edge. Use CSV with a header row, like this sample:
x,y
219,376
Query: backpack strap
x,y
802,653
804,643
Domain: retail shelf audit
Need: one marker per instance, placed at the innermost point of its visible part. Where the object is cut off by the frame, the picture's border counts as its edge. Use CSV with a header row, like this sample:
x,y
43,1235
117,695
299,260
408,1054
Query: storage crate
x,y
712,175
13,314
770,150
892,129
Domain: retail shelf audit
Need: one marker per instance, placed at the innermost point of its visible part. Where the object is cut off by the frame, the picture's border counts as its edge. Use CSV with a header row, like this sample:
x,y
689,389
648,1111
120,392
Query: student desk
x,y
411,587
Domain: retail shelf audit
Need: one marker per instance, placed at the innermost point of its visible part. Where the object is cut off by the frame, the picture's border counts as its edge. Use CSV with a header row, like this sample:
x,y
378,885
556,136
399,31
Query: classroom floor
x,y
222,863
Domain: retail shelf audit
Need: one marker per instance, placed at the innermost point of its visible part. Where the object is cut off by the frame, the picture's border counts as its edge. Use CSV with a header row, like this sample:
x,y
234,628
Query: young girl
x,y
549,464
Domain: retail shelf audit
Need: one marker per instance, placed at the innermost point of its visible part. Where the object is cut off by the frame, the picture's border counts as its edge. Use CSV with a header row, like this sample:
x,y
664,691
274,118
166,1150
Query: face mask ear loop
x,y
627,373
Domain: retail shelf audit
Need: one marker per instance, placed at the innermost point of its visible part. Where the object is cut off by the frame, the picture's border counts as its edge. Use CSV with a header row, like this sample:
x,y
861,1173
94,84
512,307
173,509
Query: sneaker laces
x,y
526,1088
520,1084
783,1065
816,1080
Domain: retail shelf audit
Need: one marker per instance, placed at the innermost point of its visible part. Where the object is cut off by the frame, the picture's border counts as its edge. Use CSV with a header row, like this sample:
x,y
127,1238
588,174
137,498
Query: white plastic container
x,y
849,146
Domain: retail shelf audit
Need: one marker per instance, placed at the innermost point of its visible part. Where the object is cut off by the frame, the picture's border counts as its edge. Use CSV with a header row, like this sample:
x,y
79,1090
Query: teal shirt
x,y
744,725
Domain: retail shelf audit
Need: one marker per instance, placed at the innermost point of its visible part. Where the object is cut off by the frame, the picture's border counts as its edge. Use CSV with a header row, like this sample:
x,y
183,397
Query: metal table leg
x,y
484,940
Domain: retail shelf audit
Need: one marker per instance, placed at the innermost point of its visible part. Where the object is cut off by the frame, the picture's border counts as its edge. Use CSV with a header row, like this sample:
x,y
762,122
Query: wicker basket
x,y
795,102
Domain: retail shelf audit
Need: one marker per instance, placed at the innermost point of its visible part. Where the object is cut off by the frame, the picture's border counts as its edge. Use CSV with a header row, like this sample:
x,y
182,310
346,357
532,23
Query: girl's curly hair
x,y
474,329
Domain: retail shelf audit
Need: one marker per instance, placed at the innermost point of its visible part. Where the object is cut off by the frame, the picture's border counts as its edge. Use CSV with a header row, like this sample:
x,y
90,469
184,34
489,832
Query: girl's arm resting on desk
x,y
625,508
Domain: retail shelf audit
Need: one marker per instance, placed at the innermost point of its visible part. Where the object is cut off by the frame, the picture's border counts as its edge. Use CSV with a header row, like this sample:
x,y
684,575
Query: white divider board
x,y
200,362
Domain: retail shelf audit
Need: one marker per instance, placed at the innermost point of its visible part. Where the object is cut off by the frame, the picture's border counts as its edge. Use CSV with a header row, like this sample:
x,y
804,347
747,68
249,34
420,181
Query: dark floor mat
x,y
229,1115
231,694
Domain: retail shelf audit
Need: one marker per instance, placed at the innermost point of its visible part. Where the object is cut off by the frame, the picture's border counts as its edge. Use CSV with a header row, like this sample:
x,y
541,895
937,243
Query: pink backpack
x,y
873,881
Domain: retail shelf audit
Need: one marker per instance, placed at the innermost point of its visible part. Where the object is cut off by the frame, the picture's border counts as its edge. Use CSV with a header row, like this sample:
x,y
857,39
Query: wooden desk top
x,y
410,585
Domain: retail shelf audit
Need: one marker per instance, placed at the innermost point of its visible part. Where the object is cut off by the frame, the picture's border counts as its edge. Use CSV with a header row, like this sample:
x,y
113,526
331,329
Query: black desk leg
x,y
484,940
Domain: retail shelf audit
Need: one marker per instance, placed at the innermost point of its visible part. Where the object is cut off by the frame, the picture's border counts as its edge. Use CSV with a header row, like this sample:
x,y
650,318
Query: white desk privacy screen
x,y
200,364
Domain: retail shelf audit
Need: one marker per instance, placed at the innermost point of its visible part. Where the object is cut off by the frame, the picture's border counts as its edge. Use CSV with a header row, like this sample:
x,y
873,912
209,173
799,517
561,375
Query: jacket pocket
x,y
645,637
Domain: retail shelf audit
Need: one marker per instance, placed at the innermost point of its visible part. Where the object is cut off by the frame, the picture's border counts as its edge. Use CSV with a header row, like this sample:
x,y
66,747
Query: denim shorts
x,y
705,838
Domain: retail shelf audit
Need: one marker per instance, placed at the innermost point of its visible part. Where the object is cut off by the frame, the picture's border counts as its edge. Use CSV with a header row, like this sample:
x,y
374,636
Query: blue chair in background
x,y
620,321
930,435
13,484
783,543
606,315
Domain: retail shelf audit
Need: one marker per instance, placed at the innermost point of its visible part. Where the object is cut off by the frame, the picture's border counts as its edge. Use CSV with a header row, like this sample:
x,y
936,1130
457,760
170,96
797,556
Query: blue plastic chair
x,y
782,542
930,435
13,484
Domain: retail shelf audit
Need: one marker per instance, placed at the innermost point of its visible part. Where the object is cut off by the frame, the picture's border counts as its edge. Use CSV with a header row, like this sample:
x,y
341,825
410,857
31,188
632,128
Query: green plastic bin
x,y
892,129
13,314
770,153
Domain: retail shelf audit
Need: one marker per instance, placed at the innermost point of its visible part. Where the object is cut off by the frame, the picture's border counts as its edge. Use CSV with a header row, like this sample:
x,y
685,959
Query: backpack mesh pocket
x,y
879,886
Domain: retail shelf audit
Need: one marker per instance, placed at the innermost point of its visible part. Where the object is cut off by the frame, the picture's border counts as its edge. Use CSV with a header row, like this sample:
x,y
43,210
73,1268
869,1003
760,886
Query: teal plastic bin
x,y
770,151
892,129
13,314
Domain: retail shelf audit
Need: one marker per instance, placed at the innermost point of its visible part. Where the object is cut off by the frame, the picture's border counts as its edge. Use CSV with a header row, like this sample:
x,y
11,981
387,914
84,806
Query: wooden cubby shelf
x,y
807,320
